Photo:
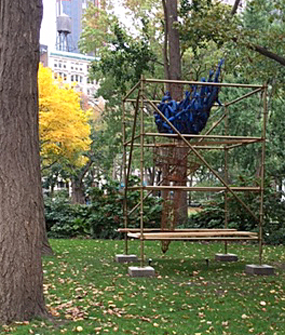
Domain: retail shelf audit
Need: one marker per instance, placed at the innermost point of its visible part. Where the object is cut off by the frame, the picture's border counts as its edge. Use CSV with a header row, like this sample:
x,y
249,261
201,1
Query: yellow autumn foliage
x,y
64,128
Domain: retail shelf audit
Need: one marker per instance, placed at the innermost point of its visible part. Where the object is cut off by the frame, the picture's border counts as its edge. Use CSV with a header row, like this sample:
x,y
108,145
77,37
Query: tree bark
x,y
21,201
77,187
77,194
180,197
173,49
165,45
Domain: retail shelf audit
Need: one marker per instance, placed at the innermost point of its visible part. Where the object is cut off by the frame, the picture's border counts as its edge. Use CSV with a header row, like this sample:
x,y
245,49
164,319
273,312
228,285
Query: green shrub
x,y
106,210
213,215
101,217
64,220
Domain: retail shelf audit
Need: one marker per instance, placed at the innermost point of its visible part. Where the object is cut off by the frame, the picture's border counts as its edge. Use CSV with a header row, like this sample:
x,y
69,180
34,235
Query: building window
x,y
72,78
76,77
64,66
88,81
71,67
55,65
80,69
76,68
88,92
64,77
81,79
59,65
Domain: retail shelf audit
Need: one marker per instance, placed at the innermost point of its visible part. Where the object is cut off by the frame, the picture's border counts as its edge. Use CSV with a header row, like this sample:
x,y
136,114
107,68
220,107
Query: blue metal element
x,y
190,115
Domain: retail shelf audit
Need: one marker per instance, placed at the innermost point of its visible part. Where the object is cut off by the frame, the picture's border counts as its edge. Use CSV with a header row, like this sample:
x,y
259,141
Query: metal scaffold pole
x,y
142,170
125,209
226,175
262,173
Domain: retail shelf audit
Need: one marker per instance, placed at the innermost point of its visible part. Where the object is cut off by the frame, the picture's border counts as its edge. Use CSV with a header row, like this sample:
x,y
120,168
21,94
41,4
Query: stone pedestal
x,y
262,270
126,258
135,271
226,258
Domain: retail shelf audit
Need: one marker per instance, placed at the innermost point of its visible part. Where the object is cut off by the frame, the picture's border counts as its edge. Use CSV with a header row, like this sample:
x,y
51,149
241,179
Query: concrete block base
x,y
226,257
262,270
126,258
135,271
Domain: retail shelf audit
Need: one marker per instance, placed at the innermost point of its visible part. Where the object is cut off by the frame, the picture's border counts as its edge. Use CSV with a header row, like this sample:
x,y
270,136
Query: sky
x,y
48,27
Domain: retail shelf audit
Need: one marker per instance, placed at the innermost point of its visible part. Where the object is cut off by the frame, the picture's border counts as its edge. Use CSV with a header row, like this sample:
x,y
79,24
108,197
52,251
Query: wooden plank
x,y
195,234
223,137
201,145
176,238
196,189
134,230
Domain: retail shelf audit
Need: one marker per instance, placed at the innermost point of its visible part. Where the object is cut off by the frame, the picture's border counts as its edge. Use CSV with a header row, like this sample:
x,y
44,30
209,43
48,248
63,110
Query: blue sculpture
x,y
190,115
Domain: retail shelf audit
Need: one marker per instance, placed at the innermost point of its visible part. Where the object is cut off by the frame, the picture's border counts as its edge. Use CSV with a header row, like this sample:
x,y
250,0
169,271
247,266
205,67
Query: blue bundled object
x,y
190,115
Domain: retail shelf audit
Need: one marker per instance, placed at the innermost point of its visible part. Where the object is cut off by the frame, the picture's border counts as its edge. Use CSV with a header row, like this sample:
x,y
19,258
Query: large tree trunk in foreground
x,y
21,208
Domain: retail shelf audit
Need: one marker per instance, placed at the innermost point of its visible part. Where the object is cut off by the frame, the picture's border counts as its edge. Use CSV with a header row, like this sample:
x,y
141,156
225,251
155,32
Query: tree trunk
x,y
21,206
77,193
77,187
180,197
173,49
165,45
45,248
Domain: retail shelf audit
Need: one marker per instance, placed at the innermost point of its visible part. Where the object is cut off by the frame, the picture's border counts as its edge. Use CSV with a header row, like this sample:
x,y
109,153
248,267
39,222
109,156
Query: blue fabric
x,y
190,115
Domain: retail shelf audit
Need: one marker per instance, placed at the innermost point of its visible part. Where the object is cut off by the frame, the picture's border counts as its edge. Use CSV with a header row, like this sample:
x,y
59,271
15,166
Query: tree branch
x,y
48,166
235,7
265,52
257,48
85,169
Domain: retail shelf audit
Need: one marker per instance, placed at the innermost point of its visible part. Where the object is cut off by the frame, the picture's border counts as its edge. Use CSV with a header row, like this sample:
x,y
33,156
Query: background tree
x,y
21,201
64,133
64,128
209,31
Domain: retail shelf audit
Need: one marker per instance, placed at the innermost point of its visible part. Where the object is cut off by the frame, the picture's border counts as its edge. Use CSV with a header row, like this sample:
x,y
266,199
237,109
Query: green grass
x,y
85,288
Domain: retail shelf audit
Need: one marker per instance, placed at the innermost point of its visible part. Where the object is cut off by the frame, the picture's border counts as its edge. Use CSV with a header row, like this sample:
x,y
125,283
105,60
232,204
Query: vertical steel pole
x,y
262,173
141,170
125,208
226,175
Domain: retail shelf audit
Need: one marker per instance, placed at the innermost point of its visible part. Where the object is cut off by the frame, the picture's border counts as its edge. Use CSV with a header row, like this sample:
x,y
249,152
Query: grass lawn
x,y
88,293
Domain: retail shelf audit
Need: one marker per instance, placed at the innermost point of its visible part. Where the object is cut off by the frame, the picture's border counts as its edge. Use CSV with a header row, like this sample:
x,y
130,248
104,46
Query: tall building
x,y
73,69
75,10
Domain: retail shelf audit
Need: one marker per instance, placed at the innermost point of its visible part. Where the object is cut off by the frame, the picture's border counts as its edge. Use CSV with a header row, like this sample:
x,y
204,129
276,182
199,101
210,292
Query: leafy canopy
x,y
64,128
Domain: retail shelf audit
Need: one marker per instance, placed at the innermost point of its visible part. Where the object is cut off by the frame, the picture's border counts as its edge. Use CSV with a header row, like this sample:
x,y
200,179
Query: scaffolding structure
x,y
194,144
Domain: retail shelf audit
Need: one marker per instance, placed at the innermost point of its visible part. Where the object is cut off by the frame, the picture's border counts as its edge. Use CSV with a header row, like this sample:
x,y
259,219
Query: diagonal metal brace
x,y
202,159
132,143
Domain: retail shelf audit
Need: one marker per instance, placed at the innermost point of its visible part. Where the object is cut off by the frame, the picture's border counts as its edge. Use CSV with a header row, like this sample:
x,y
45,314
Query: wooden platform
x,y
196,234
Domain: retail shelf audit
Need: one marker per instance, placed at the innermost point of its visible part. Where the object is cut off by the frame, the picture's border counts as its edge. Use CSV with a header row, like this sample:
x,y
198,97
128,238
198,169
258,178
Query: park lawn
x,y
88,293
